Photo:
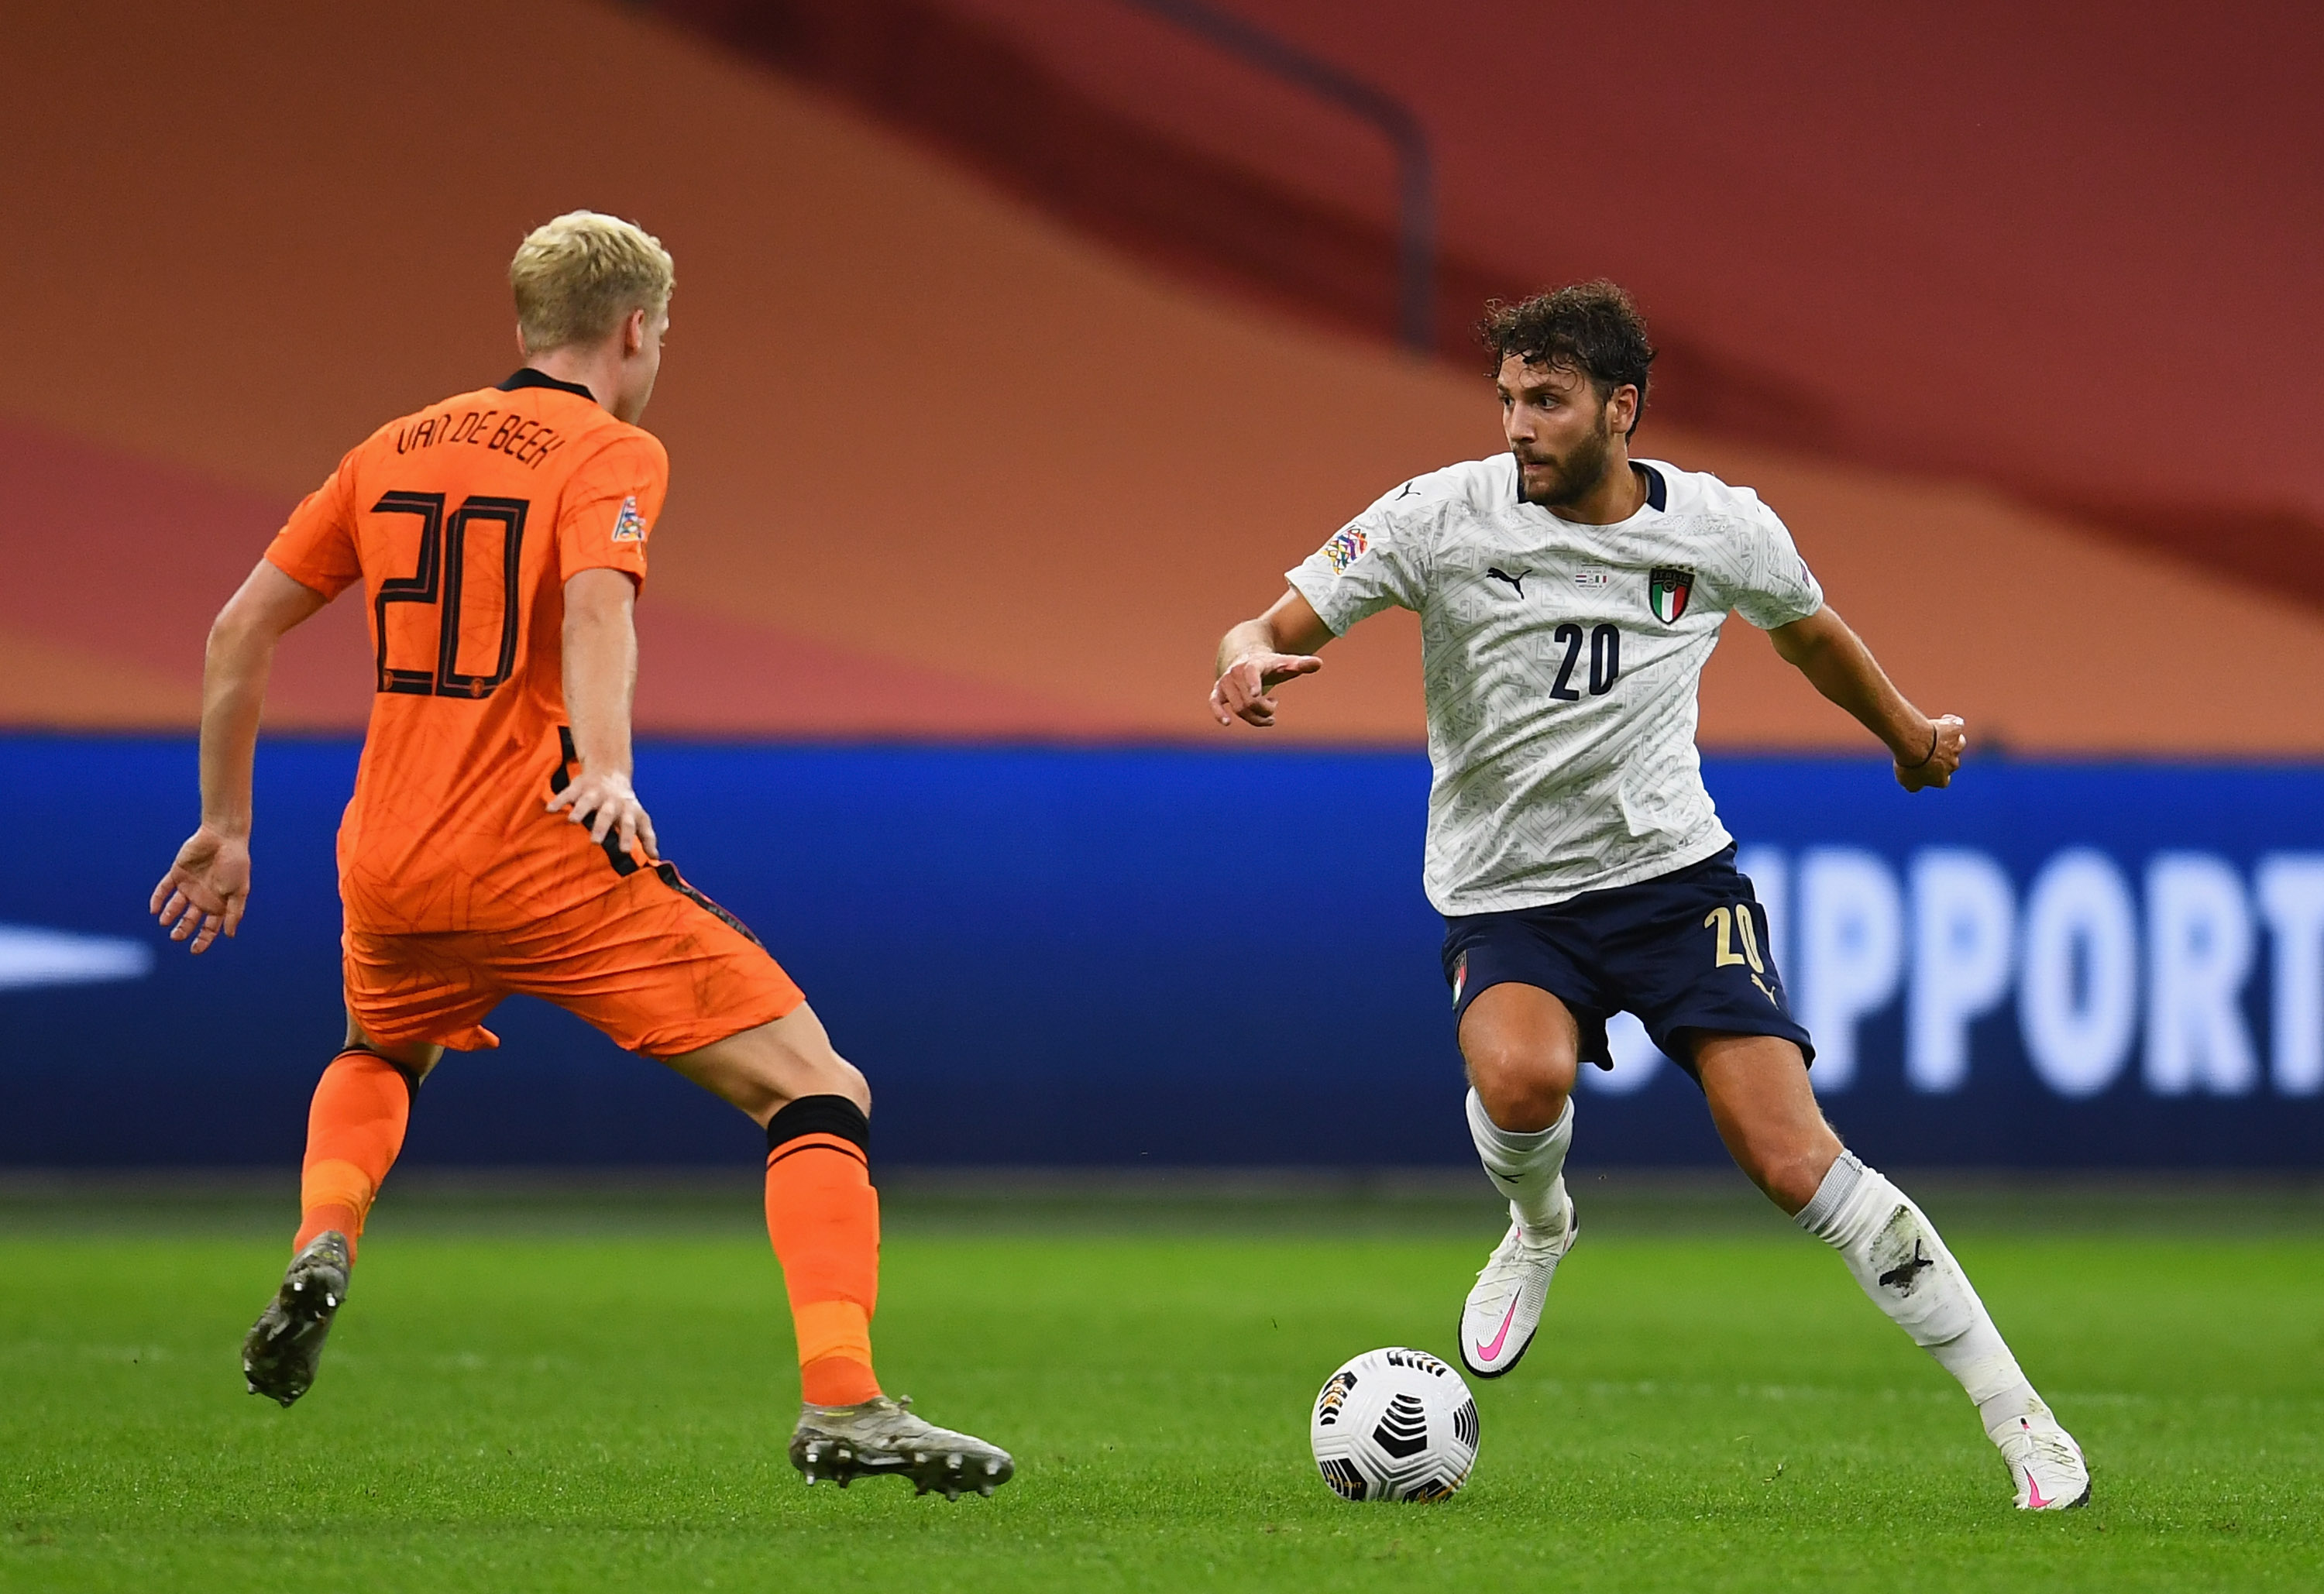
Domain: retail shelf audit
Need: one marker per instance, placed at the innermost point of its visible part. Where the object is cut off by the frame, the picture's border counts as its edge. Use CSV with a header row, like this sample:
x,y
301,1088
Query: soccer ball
x,y
1394,1425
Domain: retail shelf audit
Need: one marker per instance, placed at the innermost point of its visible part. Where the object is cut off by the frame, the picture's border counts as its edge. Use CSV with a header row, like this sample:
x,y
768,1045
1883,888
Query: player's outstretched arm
x,y
1838,665
601,679
1260,655
203,895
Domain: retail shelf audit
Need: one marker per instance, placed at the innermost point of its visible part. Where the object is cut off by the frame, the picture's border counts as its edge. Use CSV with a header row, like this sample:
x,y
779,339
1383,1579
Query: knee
x,y
1789,1171
828,1074
1521,1091
762,1082
848,1080
415,1060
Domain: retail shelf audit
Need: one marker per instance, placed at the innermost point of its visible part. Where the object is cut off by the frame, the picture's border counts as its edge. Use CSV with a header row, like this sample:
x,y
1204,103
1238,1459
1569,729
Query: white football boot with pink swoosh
x,y
2044,1462
1505,1307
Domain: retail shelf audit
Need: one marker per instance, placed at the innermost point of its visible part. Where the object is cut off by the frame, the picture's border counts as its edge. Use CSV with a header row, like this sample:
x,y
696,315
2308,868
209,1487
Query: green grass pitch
x,y
522,1395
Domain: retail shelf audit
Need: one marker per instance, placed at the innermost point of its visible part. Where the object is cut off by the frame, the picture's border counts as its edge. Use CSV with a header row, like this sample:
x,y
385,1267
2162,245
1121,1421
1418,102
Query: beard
x,y
1572,478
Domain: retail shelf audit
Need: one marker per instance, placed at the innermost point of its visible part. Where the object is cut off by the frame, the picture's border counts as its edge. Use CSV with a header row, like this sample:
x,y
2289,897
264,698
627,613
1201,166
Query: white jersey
x,y
1561,661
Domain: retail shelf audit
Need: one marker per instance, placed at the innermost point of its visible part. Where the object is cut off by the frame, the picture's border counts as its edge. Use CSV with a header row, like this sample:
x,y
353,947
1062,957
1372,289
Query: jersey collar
x,y
1657,490
529,377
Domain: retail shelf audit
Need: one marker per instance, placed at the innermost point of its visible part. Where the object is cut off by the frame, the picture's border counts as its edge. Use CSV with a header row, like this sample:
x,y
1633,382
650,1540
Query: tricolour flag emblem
x,y
1666,594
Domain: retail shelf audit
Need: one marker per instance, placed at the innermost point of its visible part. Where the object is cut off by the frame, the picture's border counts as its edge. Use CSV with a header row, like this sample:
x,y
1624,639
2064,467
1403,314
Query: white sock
x,y
1895,1253
1527,1166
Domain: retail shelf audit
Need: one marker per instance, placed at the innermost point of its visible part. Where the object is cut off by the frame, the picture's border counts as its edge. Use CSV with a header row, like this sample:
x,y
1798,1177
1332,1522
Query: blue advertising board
x,y
1166,956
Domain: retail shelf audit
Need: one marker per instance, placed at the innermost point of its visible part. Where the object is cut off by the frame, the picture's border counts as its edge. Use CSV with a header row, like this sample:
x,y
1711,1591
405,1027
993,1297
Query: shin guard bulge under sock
x,y
1890,1245
355,1129
823,1216
1525,1165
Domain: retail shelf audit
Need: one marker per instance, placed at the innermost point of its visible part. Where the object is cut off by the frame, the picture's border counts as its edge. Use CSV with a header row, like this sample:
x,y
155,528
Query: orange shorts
x,y
660,968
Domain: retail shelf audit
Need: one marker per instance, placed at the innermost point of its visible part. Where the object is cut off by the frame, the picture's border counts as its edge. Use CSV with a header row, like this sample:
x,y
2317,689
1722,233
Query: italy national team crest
x,y
630,526
1667,591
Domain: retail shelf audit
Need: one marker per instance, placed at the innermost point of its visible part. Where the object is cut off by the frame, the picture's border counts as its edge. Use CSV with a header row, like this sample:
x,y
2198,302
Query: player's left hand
x,y
206,888
1949,740
602,801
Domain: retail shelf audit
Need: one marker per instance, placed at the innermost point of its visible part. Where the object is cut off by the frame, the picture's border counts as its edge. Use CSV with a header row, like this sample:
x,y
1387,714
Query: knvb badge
x,y
630,526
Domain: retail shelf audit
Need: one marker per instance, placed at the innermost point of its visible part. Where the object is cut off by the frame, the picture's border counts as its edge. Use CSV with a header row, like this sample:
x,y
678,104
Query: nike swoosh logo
x,y
1493,1349
1510,1178
2033,1499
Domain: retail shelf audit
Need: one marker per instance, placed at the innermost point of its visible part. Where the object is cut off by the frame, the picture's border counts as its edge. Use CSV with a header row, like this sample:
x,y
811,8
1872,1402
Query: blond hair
x,y
578,277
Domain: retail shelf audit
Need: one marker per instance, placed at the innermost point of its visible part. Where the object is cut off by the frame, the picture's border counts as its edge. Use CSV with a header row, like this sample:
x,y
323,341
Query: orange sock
x,y
354,1131
824,1217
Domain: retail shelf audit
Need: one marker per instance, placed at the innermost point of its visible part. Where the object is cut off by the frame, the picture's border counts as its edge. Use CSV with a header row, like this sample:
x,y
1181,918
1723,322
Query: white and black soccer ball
x,y
1394,1425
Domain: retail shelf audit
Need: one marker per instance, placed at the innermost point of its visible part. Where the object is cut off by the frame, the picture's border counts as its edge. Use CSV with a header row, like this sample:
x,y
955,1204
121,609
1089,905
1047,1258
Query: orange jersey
x,y
463,523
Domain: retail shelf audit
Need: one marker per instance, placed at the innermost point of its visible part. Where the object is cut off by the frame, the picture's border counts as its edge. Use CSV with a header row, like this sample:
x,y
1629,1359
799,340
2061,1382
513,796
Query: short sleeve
x,y
1377,561
317,546
611,503
1776,587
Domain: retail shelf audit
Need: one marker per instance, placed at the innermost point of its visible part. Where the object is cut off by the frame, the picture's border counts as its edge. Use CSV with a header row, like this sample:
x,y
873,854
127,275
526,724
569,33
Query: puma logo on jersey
x,y
1517,581
630,526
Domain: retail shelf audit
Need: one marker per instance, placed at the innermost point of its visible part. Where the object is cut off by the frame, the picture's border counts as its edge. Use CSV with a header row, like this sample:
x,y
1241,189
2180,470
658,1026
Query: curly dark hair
x,y
1592,328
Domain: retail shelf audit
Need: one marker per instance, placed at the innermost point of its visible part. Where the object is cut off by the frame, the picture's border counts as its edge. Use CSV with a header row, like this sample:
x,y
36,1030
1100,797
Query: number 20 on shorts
x,y
1729,925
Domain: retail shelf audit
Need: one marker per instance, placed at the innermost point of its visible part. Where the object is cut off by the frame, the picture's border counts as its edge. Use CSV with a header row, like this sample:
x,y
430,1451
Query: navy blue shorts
x,y
1682,951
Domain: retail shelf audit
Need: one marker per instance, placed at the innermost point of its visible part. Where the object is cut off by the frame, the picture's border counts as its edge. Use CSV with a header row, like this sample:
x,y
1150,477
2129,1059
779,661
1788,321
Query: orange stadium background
x,y
1019,348
962,451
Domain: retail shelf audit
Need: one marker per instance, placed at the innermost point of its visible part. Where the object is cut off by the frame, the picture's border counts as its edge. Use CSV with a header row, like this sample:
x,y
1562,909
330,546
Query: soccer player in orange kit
x,y
494,846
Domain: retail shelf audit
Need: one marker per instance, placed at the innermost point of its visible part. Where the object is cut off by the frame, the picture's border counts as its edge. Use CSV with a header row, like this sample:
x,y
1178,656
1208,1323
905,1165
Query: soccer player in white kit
x,y
1569,596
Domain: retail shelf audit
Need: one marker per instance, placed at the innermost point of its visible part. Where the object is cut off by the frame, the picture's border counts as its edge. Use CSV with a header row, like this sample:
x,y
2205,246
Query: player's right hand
x,y
602,801
1246,691
206,889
